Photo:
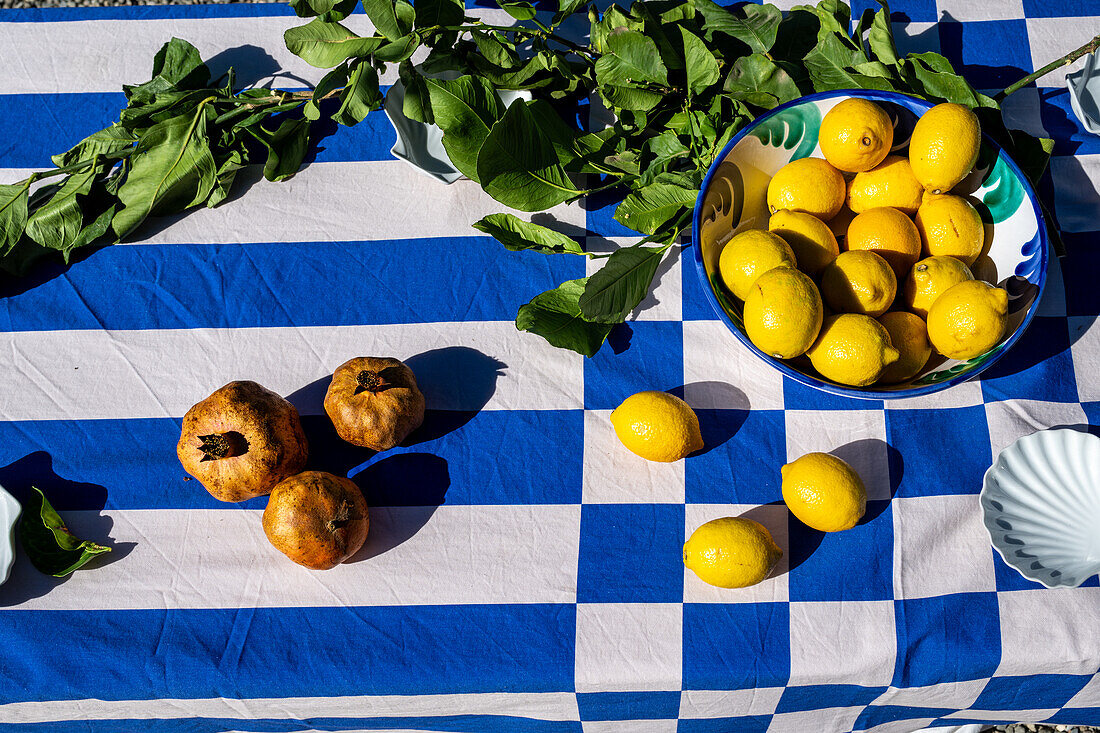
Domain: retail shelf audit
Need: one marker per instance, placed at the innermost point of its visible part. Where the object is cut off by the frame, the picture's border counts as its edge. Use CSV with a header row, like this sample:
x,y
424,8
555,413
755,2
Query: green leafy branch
x,y
179,143
678,77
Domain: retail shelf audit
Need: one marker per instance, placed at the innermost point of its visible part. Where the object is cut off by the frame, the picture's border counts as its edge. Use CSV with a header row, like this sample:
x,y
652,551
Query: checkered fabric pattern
x,y
523,571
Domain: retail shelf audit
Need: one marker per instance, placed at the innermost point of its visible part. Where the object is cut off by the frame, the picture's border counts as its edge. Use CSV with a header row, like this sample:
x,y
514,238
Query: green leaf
x,y
50,547
556,316
647,209
866,20
326,10
518,166
399,50
637,100
621,284
756,80
702,67
498,51
565,9
1031,153
172,169
384,15
835,18
465,109
439,12
932,75
612,21
881,38
417,103
57,223
517,235
578,153
138,117
108,140
176,66
325,45
360,97
286,147
518,10
829,65
226,173
13,215
754,25
330,82
632,57
96,229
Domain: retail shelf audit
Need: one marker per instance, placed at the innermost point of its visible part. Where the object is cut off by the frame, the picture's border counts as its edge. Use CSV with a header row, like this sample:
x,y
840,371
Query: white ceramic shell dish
x,y
1041,504
421,145
9,515
1084,93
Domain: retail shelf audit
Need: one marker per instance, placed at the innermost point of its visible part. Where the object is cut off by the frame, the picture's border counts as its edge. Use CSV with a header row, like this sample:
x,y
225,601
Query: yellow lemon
x,y
748,256
968,319
839,224
732,552
909,336
888,233
890,183
859,281
810,238
852,349
929,278
944,146
949,225
657,426
824,492
783,313
807,184
855,135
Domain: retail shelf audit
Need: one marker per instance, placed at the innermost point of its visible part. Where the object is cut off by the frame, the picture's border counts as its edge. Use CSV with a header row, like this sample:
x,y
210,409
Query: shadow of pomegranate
x,y
403,492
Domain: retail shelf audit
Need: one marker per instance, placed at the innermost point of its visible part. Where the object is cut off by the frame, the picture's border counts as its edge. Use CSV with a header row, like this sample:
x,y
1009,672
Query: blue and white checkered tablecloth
x,y
523,571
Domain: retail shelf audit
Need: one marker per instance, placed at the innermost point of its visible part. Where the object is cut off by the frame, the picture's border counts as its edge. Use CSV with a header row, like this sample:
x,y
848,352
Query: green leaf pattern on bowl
x,y
793,128
1002,193
952,371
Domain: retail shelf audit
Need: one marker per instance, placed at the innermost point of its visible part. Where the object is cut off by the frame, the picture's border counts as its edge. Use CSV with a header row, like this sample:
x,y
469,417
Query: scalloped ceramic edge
x,y
1041,506
1084,93
421,145
9,515
781,136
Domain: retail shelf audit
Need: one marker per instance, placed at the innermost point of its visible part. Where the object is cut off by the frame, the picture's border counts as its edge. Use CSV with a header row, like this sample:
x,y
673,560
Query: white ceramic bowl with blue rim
x,y
1041,505
733,198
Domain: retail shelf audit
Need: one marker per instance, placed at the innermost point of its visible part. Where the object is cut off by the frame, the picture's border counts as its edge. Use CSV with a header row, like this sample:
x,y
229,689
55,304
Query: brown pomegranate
x,y
316,519
241,441
374,402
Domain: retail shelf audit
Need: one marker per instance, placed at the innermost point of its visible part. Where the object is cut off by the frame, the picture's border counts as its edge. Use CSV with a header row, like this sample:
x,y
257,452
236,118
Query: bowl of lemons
x,y
870,244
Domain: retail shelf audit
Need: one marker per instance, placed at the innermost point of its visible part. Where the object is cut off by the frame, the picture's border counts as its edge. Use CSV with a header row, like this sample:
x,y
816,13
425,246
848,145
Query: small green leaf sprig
x,y
179,143
49,544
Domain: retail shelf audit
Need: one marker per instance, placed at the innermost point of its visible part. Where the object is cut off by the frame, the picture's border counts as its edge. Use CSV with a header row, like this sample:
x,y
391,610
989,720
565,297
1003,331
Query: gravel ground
x,y
1034,728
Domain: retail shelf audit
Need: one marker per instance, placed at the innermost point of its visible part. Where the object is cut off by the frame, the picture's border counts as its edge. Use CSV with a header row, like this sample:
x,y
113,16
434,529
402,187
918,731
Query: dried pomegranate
x,y
316,519
241,441
374,402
